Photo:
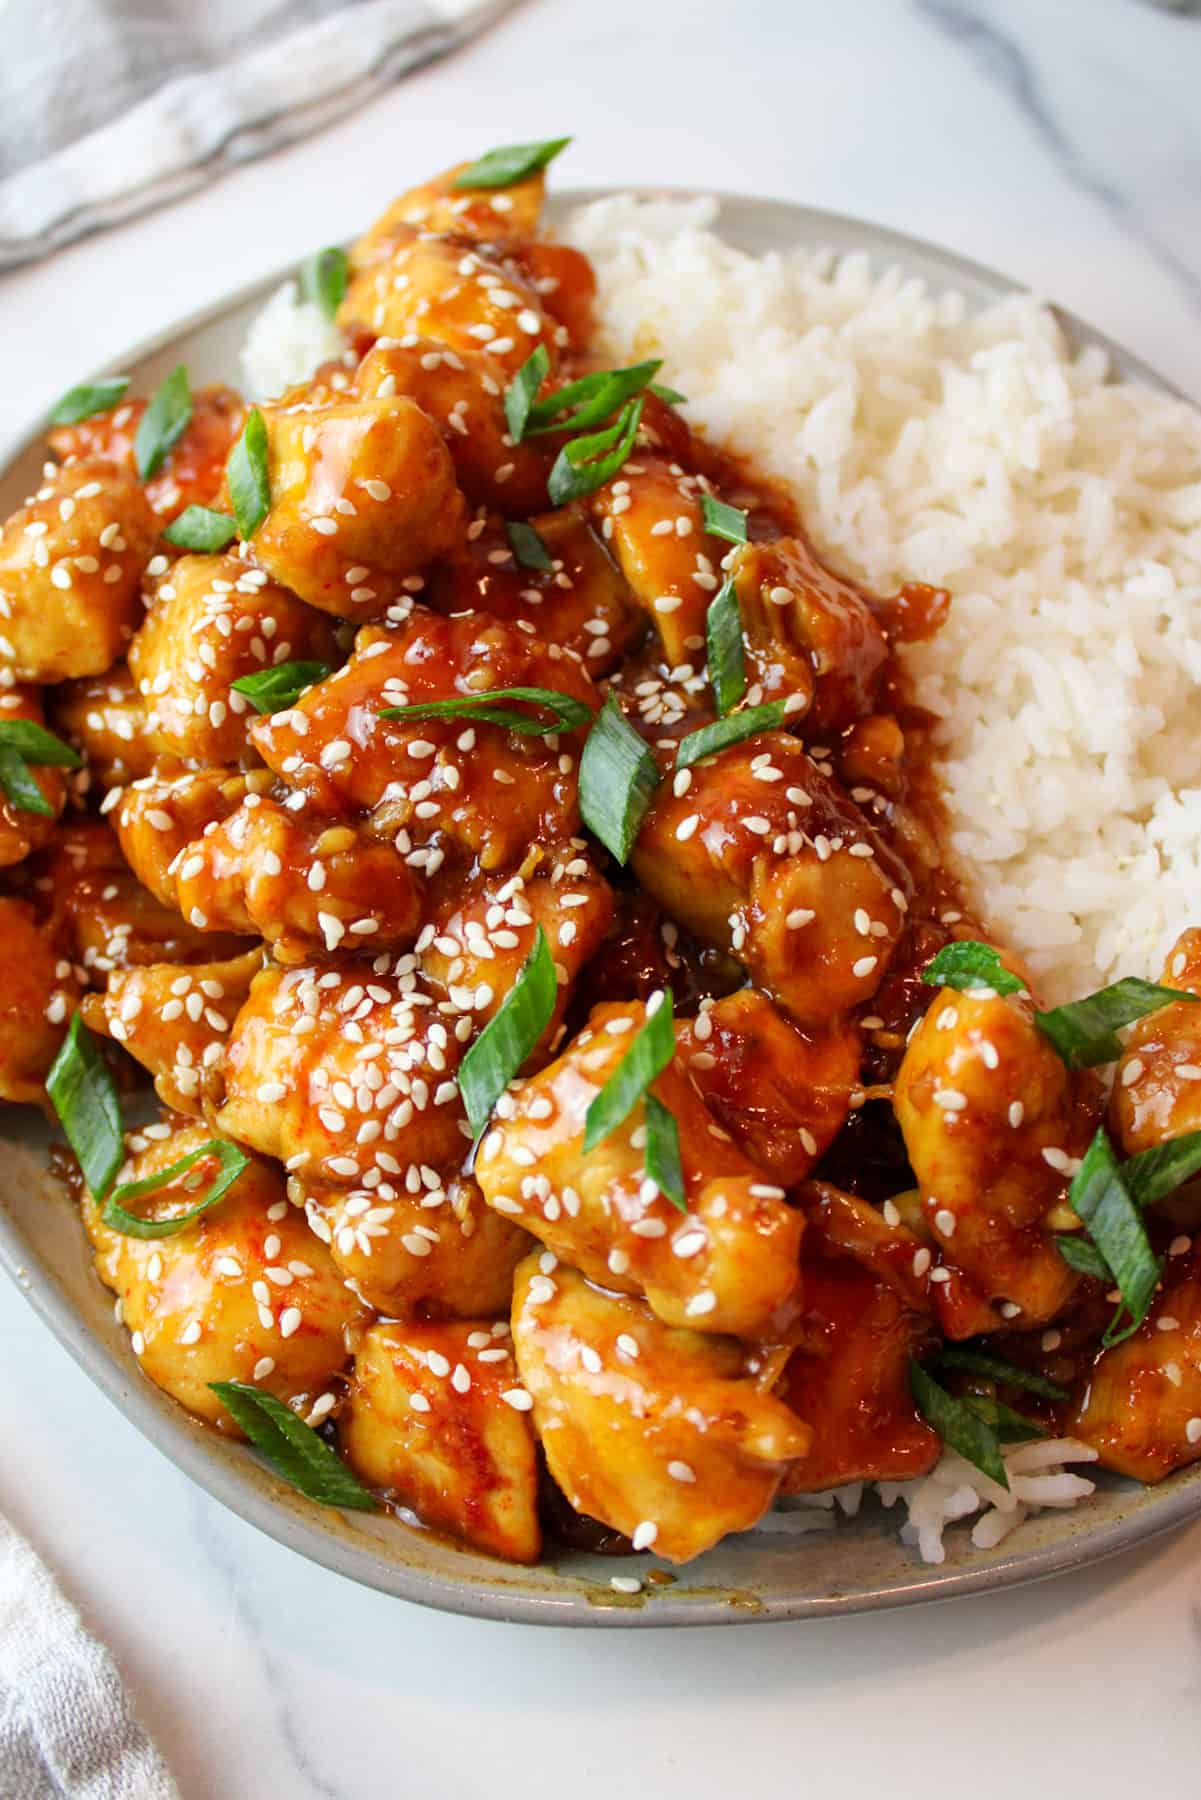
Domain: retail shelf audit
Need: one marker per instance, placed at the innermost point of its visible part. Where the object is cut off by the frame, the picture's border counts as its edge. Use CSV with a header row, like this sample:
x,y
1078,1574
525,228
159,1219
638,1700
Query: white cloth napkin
x,y
108,107
66,1729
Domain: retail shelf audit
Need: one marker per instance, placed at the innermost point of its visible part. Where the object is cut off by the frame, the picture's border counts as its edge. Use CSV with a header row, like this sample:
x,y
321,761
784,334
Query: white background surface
x,y
1058,140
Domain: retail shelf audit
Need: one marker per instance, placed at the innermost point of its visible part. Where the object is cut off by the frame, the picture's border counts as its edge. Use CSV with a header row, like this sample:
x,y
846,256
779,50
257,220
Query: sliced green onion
x,y
586,463
723,637
527,546
669,395
90,398
568,712
1151,1174
248,475
590,400
509,163
293,1448
1083,1031
323,279
1081,1254
958,1424
1011,1427
723,521
163,423
232,1160
995,1368
662,1161
969,964
34,744
618,778
509,1036
522,391
278,689
728,731
84,1096
200,528
1099,1196
19,786
648,1055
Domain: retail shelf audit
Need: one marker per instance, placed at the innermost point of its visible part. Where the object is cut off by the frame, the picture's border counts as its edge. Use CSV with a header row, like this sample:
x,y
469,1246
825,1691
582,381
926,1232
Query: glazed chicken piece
x,y
729,1264
808,632
1141,1405
211,622
158,816
193,470
865,1315
426,1423
993,1123
467,298
651,520
581,602
464,395
363,496
657,1432
302,884
429,1245
243,1293
490,215
22,831
176,1023
71,562
481,933
345,1071
104,716
38,994
436,784
783,1094
761,855
1157,1089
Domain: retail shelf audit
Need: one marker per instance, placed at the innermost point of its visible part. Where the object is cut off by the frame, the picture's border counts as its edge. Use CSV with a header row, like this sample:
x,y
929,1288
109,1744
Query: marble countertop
x,y
1055,139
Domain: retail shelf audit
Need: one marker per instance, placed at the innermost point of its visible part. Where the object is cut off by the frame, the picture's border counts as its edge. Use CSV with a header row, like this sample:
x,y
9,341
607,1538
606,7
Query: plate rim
x,y
302,1526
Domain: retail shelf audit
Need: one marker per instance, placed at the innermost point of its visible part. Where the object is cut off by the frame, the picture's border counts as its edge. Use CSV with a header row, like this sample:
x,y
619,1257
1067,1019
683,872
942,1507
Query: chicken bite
x,y
658,1432
158,816
104,716
194,468
651,519
728,1264
426,1423
71,561
488,215
38,994
241,1293
23,831
1157,1087
213,621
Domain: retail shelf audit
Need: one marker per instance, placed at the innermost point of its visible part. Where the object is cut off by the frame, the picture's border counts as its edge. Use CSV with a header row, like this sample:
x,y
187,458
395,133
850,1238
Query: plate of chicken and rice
x,y
600,821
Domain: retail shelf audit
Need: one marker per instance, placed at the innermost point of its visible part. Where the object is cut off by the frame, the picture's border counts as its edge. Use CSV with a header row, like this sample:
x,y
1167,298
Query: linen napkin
x,y
109,107
66,1729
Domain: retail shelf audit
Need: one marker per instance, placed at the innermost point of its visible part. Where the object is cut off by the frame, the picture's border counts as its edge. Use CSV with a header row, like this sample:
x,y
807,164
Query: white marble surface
x,y
1057,139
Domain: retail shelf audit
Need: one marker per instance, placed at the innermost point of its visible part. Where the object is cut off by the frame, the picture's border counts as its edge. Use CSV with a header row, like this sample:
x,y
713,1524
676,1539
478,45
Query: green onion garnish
x,y
995,1368
618,778
1151,1174
728,731
1099,1196
648,1055
1083,1031
84,1096
509,163
199,528
293,1448
590,400
1011,1427
232,1160
958,1424
586,463
275,690
969,964
568,713
723,637
522,391
509,1036
22,743
662,1160
527,546
90,398
1082,1255
723,521
248,477
323,279
163,423
671,396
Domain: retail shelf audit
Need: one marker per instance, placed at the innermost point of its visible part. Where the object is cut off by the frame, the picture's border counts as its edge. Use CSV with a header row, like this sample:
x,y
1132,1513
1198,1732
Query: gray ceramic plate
x,y
766,1574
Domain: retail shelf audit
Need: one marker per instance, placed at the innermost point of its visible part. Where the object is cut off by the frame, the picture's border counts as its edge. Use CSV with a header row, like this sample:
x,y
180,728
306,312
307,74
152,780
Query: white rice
x,y
288,339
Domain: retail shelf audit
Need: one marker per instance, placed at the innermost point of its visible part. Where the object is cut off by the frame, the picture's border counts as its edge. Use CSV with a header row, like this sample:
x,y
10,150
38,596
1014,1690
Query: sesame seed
x,y
518,1399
